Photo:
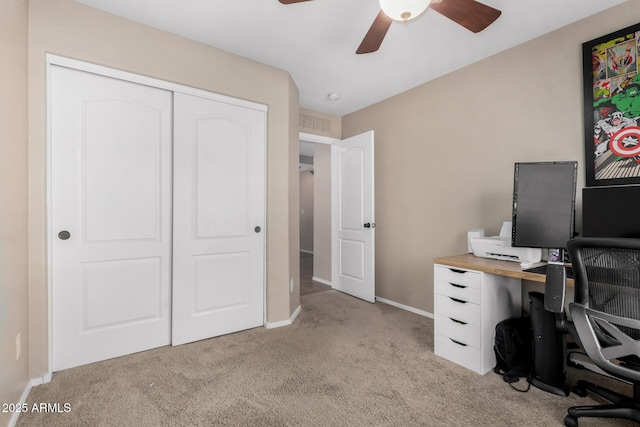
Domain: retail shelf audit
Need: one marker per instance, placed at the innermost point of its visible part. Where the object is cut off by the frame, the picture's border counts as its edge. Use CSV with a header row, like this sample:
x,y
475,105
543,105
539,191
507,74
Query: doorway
x,y
315,265
307,220
344,213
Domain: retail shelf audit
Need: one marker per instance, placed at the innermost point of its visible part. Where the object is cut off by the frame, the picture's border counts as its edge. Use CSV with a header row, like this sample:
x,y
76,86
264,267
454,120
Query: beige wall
x,y
306,211
66,28
293,295
322,212
14,374
445,150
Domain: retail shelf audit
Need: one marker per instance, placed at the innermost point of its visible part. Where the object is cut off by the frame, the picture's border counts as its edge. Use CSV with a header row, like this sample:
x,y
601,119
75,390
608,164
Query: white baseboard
x,y
23,399
324,282
272,325
295,314
46,378
405,307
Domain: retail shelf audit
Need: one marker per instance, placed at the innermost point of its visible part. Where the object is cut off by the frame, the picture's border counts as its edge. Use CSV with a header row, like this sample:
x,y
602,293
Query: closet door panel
x,y
222,160
219,199
110,217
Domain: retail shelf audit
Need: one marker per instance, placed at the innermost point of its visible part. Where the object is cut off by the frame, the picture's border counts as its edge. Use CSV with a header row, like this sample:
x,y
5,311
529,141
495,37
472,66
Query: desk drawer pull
x,y
457,300
455,270
458,286
460,322
458,342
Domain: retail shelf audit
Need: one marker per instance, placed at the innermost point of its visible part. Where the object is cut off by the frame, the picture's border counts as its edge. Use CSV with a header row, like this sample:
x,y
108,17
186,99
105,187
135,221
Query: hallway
x,y
307,285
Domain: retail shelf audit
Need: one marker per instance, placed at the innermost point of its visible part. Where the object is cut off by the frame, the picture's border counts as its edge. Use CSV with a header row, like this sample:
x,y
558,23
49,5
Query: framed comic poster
x,y
612,108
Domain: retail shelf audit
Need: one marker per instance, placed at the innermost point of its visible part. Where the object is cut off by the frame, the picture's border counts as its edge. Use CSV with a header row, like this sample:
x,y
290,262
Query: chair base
x,y
621,407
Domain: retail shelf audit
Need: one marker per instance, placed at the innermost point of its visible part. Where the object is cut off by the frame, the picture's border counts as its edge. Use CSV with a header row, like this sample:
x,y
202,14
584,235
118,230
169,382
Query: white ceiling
x,y
316,40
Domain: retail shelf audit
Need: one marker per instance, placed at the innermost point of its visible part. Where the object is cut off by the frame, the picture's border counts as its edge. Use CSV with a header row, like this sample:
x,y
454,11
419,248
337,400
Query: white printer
x,y
499,247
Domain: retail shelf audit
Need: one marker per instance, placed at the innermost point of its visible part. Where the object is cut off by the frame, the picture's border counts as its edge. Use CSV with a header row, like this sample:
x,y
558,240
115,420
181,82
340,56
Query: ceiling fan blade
x,y
373,39
291,1
472,15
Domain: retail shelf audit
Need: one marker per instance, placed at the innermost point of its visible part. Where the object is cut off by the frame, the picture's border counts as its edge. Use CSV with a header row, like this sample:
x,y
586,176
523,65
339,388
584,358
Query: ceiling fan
x,y
472,15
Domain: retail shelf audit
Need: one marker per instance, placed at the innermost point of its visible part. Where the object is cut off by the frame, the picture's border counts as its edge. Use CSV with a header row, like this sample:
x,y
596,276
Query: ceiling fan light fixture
x,y
404,10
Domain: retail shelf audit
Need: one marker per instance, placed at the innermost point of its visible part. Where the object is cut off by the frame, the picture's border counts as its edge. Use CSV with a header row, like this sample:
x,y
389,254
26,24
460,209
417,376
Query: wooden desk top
x,y
494,266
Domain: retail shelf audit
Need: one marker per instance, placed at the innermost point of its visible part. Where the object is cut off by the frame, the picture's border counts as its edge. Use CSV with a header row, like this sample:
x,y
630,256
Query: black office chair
x,y
606,316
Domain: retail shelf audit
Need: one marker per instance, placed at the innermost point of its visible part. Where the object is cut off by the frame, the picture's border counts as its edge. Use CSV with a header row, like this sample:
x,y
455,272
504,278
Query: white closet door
x,y
219,202
110,217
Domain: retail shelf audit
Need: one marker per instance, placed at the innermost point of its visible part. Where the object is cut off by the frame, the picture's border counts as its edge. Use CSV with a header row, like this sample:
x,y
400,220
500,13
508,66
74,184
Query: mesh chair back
x,y
606,311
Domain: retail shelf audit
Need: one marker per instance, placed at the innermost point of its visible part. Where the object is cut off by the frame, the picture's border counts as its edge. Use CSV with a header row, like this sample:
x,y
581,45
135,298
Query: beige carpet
x,y
344,362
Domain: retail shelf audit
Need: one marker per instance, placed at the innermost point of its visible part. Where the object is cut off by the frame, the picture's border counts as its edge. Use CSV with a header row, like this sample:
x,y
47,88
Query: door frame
x,y
56,60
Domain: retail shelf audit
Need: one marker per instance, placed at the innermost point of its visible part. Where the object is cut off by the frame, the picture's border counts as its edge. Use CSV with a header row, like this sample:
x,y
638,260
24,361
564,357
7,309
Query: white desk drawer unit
x,y
468,305
458,309
459,331
459,292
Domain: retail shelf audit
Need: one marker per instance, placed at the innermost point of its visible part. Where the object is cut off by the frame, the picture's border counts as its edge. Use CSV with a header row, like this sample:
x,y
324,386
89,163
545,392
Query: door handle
x,y
64,235
257,229
370,225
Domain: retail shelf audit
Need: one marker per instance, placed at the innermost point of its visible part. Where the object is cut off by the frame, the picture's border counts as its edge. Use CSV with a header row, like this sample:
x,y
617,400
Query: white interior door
x,y
219,202
353,219
110,217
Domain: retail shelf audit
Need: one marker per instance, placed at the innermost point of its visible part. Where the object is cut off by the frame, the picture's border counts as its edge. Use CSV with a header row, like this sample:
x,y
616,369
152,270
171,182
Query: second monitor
x,y
544,195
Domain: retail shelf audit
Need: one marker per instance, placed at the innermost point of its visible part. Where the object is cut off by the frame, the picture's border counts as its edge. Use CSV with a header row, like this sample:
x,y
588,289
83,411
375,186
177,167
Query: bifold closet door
x,y
110,212
219,215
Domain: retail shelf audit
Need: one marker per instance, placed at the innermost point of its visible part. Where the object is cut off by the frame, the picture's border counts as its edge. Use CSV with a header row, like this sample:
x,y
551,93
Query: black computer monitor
x,y
544,195
611,211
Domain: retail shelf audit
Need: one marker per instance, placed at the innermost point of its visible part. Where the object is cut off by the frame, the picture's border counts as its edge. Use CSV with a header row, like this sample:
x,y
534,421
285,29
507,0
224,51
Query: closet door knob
x,y
64,235
257,229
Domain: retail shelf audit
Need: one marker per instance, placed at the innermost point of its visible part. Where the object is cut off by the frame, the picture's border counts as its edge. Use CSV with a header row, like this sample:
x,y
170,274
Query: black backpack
x,y
513,346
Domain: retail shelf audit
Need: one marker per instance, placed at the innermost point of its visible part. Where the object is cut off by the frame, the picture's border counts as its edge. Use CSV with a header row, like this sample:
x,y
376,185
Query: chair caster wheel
x,y
570,421
580,391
